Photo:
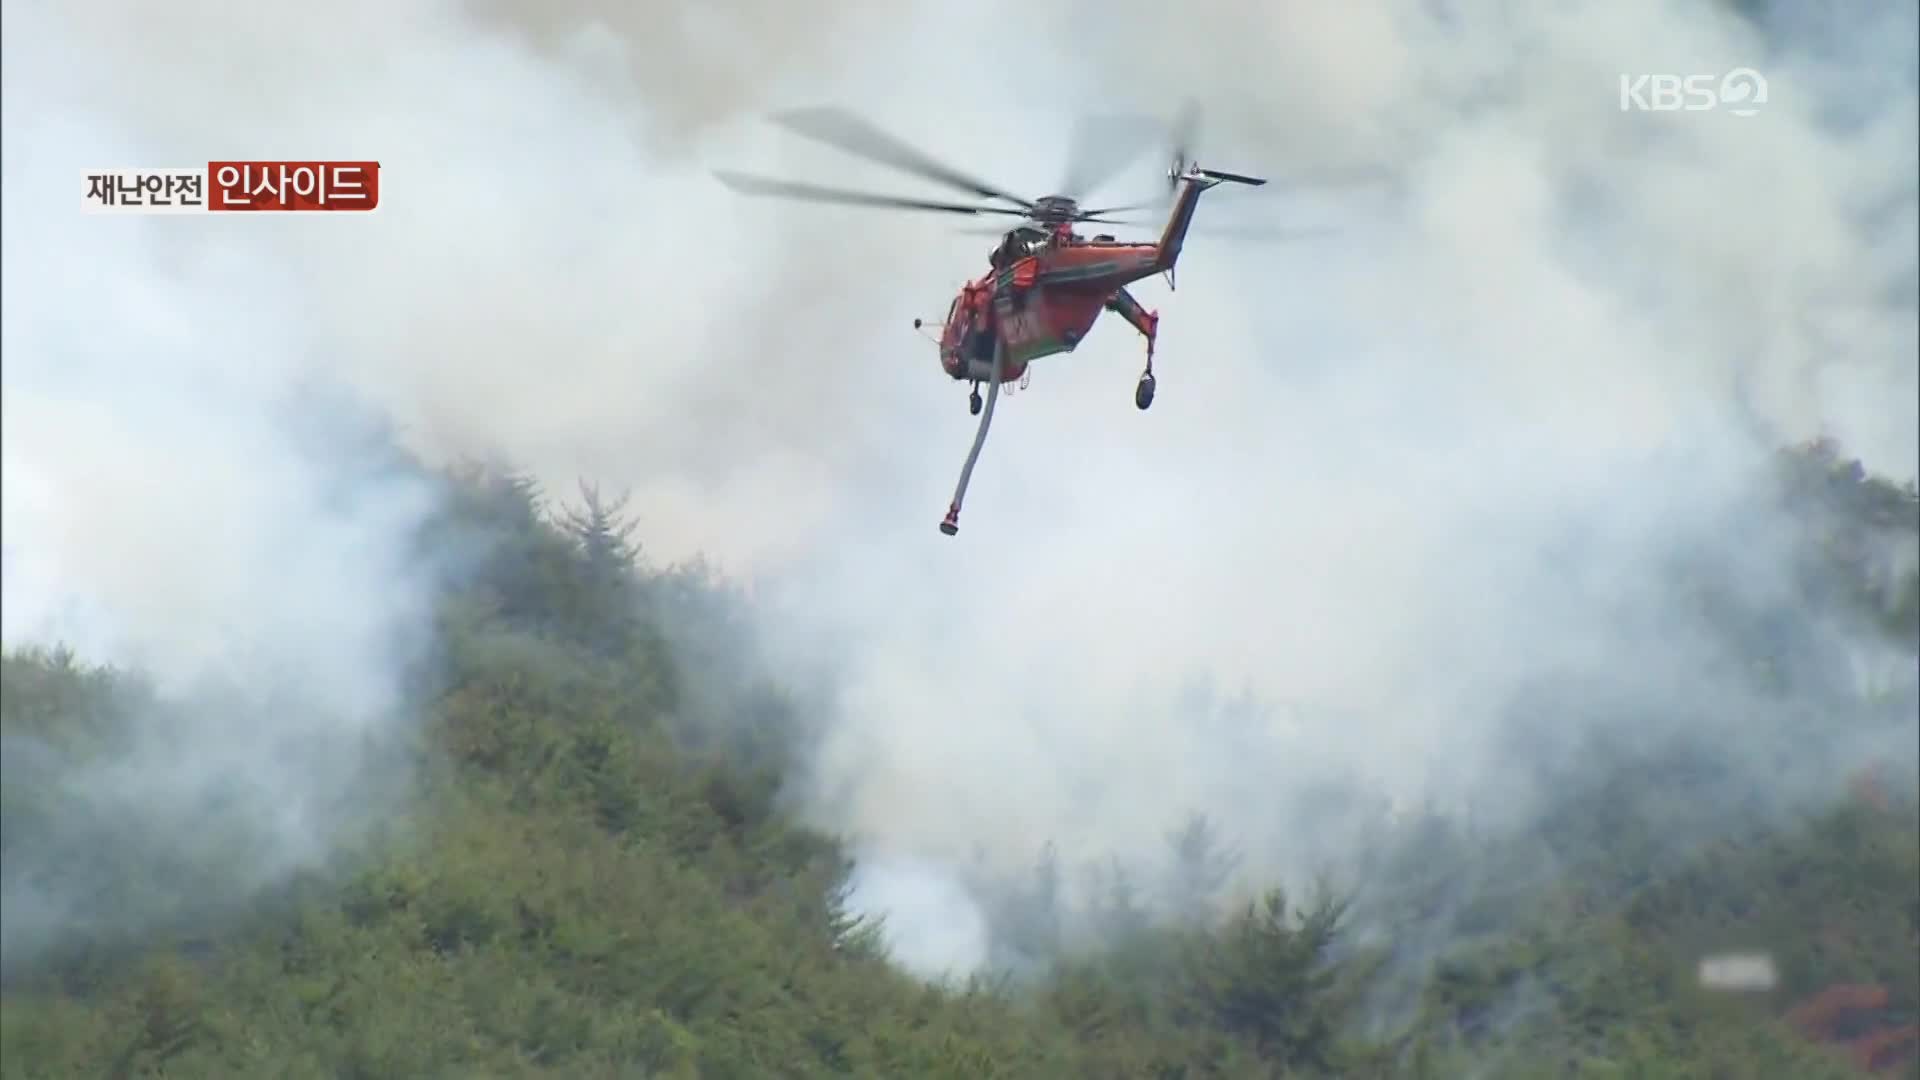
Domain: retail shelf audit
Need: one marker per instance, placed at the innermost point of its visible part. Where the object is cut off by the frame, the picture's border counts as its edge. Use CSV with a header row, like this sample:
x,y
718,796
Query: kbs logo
x,y
1741,92
235,186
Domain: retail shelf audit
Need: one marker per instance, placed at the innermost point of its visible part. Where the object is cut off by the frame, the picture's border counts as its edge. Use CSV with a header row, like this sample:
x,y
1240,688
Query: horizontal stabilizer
x,y
1235,178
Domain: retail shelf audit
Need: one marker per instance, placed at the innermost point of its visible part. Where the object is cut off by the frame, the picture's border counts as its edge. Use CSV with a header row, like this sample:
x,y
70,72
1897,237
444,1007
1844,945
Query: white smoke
x,y
1562,328
191,495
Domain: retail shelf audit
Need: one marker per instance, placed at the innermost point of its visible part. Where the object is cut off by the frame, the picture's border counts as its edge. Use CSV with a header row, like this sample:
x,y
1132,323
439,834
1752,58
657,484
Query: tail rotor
x,y
1186,126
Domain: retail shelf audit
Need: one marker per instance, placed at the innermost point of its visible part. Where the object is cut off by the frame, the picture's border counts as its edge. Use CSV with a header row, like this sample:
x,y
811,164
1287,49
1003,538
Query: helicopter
x,y
1046,284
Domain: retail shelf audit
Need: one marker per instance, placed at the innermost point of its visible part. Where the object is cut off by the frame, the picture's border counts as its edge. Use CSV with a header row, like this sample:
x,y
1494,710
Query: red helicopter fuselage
x,y
1049,286
1032,320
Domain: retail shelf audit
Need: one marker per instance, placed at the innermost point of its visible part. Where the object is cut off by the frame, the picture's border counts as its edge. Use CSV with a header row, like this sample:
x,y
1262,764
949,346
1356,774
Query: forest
x,y
577,860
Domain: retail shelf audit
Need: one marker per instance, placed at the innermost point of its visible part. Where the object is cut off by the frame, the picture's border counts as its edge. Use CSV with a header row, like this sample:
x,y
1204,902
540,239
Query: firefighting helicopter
x,y
1046,285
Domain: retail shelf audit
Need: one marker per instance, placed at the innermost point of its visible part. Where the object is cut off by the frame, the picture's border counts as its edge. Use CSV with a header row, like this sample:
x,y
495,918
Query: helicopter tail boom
x,y
1194,180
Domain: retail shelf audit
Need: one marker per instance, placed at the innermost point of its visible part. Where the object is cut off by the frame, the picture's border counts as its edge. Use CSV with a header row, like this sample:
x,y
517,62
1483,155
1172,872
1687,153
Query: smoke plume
x,y
1395,477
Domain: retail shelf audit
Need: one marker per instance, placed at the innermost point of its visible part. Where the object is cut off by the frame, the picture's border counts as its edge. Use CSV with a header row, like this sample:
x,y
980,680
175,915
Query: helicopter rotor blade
x,y
1252,234
1092,215
1100,146
1240,233
1262,235
789,189
1120,140
849,133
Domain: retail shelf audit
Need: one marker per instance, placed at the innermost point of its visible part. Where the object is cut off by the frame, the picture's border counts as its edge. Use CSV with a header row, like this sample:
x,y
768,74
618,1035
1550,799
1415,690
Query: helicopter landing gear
x,y
1143,390
973,401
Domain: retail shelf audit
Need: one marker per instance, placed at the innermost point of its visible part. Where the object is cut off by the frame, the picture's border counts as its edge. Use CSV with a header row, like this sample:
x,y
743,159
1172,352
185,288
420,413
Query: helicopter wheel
x,y
1143,392
973,402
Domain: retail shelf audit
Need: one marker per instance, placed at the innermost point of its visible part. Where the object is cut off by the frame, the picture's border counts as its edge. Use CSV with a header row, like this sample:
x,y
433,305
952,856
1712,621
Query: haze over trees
x,y
578,862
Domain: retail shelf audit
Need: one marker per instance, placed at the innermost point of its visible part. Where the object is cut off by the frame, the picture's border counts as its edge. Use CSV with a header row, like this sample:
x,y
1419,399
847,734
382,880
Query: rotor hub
x,y
1054,210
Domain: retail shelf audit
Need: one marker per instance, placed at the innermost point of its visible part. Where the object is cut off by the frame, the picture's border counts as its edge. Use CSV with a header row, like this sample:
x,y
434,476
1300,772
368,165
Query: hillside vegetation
x,y
578,863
